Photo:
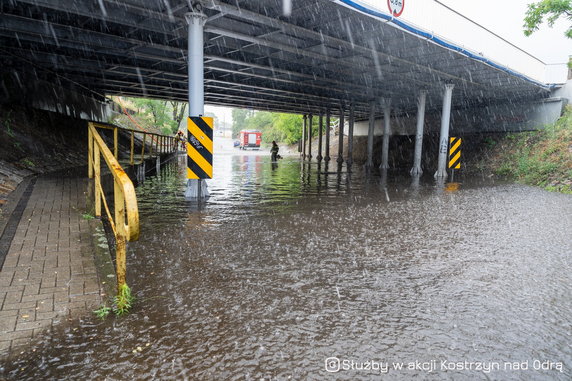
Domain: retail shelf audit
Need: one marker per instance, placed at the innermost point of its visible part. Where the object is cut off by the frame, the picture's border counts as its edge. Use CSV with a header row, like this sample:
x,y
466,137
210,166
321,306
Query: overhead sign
x,y
396,7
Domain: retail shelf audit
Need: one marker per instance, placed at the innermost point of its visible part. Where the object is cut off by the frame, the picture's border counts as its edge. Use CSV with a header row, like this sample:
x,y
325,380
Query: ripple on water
x,y
282,268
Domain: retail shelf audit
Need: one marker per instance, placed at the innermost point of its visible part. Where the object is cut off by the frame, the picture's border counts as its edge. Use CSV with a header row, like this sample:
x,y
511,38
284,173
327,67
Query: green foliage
x,y
7,124
239,117
553,9
163,115
27,162
87,216
542,158
123,301
490,142
290,126
102,312
284,128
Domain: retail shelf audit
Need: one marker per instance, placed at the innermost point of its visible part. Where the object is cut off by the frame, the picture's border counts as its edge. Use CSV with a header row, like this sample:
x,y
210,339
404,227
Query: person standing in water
x,y
274,151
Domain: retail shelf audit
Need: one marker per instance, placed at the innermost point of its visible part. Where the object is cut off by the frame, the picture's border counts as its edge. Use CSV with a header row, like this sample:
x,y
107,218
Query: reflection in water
x,y
287,265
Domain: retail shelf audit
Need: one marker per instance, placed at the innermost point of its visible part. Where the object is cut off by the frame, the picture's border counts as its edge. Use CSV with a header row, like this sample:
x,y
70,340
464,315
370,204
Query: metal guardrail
x,y
125,218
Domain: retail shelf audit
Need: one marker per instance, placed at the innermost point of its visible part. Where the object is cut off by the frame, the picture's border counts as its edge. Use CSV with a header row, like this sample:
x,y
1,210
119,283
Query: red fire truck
x,y
250,139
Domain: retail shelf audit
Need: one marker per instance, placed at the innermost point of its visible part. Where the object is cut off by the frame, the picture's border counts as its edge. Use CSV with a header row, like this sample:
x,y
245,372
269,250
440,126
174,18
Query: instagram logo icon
x,y
332,364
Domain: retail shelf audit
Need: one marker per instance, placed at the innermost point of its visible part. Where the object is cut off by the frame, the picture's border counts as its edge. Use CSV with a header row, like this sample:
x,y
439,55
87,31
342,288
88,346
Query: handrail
x,y
124,220
161,143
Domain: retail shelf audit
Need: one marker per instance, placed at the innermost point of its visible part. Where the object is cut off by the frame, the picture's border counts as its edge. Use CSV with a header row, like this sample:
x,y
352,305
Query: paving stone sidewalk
x,y
49,273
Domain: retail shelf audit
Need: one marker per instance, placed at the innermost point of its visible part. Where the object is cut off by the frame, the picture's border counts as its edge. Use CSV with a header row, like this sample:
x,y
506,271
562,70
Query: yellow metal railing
x,y
125,218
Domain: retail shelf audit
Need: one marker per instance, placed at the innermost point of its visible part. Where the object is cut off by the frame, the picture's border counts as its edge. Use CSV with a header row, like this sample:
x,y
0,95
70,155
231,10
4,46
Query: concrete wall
x,y
495,118
565,91
58,96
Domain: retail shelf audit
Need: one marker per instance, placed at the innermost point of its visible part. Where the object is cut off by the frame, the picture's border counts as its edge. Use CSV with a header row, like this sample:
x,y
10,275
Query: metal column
x,y
444,138
327,157
321,131
304,139
341,137
195,62
386,132
310,137
370,130
351,137
417,170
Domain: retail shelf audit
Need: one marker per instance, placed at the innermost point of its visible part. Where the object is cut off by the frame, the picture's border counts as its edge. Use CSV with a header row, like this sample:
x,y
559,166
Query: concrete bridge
x,y
367,65
345,58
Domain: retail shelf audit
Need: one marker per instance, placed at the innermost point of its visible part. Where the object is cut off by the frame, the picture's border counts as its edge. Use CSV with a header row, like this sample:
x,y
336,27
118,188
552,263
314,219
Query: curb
x,y
103,261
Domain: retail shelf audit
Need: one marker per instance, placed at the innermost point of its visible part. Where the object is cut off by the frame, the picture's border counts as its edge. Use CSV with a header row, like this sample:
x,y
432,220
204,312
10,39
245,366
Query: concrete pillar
x,y
327,157
351,137
371,127
310,136
386,133
304,139
417,170
196,20
320,133
341,137
444,137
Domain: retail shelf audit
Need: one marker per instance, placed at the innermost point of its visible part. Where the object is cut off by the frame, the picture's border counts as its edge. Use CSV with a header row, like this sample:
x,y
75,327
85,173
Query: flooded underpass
x,y
295,271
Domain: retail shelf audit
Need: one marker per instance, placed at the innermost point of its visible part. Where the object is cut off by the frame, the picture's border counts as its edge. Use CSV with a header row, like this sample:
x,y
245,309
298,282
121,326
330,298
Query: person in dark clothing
x,y
274,151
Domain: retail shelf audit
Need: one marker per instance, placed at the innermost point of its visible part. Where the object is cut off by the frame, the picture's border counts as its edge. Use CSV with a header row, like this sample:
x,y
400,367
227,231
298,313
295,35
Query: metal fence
x,y
124,220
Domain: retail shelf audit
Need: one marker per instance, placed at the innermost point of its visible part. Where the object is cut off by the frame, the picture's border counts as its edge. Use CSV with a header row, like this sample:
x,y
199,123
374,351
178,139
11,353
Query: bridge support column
x,y
196,188
386,132
341,137
310,137
444,138
304,139
320,133
369,162
351,137
327,157
417,170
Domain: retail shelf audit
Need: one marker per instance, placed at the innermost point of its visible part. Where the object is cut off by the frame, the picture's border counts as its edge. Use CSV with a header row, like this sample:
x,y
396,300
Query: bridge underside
x,y
324,54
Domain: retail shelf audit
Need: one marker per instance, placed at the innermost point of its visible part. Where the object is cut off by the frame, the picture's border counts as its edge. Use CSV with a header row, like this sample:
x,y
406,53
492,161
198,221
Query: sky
x,y
503,17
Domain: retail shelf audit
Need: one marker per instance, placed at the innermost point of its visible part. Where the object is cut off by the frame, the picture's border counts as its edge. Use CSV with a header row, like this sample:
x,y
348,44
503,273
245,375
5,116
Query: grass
x,y
102,312
540,158
87,216
122,304
8,124
28,163
123,301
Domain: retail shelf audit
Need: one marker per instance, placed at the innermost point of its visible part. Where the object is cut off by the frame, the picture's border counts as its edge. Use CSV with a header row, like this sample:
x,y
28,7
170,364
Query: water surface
x,y
288,265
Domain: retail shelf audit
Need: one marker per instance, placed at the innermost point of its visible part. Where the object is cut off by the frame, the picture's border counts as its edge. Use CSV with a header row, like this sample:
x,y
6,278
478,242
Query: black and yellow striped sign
x,y
455,153
199,147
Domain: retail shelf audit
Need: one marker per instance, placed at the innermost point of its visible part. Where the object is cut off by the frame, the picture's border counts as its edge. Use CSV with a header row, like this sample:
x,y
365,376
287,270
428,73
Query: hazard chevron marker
x,y
455,153
199,147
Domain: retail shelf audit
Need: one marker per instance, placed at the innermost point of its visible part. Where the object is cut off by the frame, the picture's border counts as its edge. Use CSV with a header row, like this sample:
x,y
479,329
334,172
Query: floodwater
x,y
294,271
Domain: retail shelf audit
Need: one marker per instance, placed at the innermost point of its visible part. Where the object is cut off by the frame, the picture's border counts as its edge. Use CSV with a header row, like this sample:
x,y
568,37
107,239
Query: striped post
x,y
199,148
455,153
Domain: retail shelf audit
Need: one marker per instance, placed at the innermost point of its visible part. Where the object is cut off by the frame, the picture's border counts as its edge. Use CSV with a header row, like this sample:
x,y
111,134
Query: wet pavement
x,y
291,271
48,275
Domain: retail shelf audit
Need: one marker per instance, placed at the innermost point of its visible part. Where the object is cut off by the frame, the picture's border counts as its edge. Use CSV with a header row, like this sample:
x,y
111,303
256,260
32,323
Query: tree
x,y
239,117
178,111
553,9
158,114
284,128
